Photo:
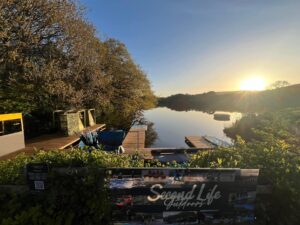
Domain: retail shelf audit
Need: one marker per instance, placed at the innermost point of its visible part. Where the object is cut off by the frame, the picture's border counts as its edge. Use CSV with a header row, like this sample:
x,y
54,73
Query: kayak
x,y
217,142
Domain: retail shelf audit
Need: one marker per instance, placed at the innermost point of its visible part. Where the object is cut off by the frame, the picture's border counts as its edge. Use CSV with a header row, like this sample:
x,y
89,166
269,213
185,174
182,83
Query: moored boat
x,y
217,142
222,116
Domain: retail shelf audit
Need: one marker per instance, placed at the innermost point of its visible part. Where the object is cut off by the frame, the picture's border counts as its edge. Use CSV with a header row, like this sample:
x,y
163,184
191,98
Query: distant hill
x,y
244,101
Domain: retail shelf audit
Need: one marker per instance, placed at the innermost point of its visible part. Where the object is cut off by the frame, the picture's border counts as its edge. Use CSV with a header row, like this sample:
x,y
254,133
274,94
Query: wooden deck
x,y
199,142
135,140
51,141
136,137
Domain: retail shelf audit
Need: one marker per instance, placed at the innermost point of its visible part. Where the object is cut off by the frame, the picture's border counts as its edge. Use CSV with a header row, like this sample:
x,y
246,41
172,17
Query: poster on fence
x,y
182,196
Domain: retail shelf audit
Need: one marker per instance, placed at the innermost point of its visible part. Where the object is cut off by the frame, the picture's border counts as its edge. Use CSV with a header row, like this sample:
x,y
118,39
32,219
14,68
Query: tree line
x,y
243,101
52,58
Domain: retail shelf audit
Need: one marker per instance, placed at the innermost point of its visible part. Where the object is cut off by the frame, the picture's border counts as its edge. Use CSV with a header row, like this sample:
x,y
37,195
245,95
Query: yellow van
x,y
11,133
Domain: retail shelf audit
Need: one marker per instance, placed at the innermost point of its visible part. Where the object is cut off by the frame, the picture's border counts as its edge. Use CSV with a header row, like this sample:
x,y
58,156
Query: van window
x,y
1,128
12,126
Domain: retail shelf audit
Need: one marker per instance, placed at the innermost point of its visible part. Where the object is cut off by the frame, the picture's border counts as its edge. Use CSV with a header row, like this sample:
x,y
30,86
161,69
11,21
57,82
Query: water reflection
x,y
167,128
117,120
151,135
172,126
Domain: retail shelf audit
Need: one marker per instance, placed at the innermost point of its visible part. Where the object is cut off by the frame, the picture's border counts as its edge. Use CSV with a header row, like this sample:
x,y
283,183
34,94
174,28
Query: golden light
x,y
253,84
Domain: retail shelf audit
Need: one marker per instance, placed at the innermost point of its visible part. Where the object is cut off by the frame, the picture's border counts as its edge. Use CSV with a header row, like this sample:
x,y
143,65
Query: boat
x,y
217,142
222,116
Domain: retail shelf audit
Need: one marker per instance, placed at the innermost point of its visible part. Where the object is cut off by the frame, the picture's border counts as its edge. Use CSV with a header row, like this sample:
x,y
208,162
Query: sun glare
x,y
253,84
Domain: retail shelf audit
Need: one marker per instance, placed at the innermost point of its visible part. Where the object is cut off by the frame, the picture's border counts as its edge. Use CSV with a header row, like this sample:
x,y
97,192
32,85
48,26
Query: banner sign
x,y
37,176
182,196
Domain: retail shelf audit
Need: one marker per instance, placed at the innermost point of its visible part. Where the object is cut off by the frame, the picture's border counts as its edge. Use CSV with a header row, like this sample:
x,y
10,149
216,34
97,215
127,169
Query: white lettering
x,y
180,200
154,192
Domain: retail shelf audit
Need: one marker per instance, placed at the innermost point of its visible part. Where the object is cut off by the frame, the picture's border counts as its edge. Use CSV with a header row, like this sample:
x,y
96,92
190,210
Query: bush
x,y
11,171
278,167
73,199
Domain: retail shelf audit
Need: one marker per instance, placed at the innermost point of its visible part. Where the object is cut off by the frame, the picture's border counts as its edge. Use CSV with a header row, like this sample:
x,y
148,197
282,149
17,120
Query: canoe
x,y
217,142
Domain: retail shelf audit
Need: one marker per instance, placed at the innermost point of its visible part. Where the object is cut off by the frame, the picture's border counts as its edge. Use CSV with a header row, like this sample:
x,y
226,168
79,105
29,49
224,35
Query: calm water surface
x,y
172,126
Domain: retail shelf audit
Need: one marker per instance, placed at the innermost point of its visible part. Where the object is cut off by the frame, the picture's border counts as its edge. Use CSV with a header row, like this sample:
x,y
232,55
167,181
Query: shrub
x,y
278,167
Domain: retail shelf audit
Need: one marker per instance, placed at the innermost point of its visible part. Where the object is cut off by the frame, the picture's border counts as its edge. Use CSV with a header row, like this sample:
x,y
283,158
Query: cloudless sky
x,y
193,46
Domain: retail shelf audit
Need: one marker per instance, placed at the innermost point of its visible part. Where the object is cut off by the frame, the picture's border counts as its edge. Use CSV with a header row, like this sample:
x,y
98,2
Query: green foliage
x,y
70,199
272,147
11,171
283,125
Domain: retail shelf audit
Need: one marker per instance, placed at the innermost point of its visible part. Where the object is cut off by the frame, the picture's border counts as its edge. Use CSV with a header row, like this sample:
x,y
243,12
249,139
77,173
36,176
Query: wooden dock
x,y
199,142
135,140
51,141
136,137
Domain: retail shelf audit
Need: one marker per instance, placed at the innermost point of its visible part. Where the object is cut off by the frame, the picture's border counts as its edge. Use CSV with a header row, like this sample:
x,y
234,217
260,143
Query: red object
x,y
124,201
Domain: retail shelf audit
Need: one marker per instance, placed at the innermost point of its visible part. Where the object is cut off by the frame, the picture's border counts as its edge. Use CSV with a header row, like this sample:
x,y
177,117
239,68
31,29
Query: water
x,y
172,126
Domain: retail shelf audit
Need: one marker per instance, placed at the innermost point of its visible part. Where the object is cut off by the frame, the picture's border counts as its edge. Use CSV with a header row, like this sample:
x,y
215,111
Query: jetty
x,y
135,140
136,137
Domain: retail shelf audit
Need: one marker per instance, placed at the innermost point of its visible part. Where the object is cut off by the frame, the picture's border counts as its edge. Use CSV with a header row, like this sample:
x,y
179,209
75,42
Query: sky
x,y
194,46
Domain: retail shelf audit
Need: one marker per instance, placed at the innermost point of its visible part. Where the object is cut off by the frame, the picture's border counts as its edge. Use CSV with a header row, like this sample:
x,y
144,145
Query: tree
x,y
51,58
279,84
37,54
129,89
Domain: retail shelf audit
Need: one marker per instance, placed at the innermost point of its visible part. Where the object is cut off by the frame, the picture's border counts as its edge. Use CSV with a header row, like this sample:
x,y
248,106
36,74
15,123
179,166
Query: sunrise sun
x,y
253,84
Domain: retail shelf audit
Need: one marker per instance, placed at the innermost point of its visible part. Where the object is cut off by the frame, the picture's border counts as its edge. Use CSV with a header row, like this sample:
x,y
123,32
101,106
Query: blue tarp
x,y
112,138
109,140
